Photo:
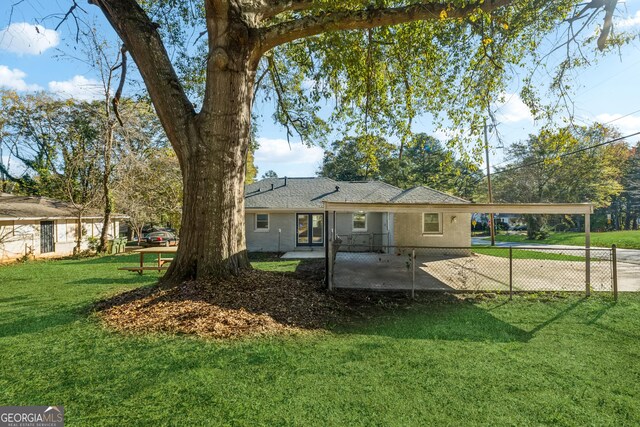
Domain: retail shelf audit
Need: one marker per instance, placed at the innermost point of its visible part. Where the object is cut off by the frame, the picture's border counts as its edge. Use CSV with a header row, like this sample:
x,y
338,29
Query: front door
x,y
309,229
46,237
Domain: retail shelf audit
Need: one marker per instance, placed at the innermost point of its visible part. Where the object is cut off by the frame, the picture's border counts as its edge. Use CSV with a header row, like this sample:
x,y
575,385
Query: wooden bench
x,y
160,263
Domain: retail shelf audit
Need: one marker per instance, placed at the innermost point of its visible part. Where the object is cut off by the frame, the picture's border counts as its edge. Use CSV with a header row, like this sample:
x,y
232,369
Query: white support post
x,y
330,264
413,278
587,257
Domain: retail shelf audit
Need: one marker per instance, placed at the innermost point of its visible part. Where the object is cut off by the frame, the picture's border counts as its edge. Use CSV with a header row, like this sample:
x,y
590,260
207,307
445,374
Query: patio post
x,y
327,240
510,272
587,257
413,273
329,264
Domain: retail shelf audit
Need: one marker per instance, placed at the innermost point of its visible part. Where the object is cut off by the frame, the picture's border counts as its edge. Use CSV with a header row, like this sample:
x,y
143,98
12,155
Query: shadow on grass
x,y
557,317
447,319
39,323
133,280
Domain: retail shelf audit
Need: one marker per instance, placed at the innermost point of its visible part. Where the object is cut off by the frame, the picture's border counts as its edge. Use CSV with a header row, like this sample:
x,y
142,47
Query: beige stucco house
x,y
290,214
44,227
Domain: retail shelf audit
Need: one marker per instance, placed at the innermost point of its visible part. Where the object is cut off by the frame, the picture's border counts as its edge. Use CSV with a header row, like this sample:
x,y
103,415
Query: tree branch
x,y
368,18
143,42
123,76
271,8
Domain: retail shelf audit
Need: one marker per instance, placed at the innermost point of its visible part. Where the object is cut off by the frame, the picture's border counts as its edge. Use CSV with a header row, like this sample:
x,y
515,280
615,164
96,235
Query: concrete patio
x,y
356,270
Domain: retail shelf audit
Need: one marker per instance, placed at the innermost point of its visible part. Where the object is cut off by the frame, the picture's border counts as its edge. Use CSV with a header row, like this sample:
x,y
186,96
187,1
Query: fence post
x,y
510,272
330,265
587,253
614,257
413,279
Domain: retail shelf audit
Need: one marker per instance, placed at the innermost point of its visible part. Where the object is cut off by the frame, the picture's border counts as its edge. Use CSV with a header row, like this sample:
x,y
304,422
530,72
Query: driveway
x,y
628,260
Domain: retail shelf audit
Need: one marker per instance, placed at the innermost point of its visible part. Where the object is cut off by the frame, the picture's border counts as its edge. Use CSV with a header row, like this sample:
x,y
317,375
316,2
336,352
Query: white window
x,y
431,223
262,222
62,231
359,221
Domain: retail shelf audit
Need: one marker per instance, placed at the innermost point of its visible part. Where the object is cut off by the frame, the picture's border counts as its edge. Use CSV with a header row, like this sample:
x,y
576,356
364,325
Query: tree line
x,y
572,164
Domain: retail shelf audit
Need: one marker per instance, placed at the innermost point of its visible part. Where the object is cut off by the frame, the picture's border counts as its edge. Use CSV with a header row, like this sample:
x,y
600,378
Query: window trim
x,y
440,227
366,221
255,223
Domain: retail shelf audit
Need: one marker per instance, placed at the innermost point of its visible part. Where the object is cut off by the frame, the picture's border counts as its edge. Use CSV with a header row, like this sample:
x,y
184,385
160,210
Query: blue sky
x,y
31,58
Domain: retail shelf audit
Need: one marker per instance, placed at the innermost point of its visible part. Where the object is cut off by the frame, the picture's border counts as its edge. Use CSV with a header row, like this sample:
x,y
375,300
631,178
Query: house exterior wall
x,y
267,241
18,238
344,224
408,230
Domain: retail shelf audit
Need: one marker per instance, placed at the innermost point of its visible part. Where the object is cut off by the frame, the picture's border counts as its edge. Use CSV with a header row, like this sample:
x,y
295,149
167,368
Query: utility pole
x,y
491,218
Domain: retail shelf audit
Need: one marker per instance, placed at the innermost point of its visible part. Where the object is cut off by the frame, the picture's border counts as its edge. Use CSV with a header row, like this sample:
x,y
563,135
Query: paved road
x,y
628,261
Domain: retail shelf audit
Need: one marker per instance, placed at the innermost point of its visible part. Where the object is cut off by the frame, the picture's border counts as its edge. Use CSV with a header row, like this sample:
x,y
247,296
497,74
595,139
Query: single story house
x,y
288,214
45,227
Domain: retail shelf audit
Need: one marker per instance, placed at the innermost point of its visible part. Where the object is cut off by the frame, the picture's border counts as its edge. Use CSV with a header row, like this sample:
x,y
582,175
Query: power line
x,y
580,150
586,123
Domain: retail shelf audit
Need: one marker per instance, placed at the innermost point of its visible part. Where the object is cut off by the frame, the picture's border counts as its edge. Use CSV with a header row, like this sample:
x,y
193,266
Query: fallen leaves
x,y
253,303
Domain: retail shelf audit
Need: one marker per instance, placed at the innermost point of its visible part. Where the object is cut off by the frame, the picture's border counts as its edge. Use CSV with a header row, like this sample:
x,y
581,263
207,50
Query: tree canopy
x,y
380,64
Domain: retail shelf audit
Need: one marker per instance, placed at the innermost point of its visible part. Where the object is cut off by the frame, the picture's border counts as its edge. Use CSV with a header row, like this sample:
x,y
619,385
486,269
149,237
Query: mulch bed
x,y
252,304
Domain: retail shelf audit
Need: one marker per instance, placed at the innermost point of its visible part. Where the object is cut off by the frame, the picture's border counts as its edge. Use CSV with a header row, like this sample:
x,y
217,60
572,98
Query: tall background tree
x,y
569,165
419,160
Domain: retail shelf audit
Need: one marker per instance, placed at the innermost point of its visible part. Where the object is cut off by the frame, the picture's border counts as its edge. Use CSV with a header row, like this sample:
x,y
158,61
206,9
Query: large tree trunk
x,y
212,236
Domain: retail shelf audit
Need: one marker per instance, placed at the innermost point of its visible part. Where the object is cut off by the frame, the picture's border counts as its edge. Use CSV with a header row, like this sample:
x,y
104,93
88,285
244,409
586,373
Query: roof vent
x,y
271,187
285,181
337,188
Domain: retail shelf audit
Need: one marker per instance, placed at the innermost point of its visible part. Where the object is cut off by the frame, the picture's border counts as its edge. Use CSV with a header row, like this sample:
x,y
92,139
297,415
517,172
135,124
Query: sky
x,y
34,56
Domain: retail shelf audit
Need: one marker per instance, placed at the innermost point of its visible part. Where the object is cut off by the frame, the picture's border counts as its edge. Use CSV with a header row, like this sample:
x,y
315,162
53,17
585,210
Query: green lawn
x,y
623,239
526,254
492,362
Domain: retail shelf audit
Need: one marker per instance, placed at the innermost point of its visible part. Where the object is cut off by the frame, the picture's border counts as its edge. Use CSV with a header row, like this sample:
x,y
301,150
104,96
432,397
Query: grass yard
x,y
488,361
526,254
629,239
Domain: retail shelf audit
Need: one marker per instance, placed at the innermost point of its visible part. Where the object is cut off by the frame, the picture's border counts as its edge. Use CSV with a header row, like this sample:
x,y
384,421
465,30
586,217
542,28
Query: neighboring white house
x,y
286,214
45,227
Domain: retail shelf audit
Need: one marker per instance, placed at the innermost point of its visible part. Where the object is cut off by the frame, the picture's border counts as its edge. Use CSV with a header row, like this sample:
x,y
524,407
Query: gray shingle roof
x,y
13,207
420,194
309,193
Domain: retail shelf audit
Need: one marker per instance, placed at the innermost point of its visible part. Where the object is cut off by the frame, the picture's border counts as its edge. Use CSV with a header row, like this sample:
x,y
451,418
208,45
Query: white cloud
x,y
78,87
625,124
447,134
629,22
23,38
299,160
512,109
14,79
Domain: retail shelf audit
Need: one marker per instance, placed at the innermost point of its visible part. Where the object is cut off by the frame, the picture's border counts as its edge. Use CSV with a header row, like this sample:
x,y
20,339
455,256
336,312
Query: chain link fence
x,y
499,269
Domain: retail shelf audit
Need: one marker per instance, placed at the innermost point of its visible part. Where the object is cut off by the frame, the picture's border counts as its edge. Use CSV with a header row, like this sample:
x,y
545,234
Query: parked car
x,y
520,228
161,238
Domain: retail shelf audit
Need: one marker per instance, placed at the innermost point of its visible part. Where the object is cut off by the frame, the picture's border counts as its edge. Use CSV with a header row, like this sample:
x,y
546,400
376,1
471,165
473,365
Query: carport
x,y
386,271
